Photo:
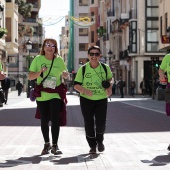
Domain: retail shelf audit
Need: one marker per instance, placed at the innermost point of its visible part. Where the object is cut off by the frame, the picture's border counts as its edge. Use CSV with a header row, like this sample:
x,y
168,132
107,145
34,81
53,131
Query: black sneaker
x,y
55,150
92,150
46,149
101,147
168,147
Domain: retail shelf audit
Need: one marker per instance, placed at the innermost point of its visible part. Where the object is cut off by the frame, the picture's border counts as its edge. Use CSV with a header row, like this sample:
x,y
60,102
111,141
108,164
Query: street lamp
x,y
109,56
28,47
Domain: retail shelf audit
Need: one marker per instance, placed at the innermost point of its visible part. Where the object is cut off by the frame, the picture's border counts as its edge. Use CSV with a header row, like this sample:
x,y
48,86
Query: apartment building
x,y
20,30
129,34
3,52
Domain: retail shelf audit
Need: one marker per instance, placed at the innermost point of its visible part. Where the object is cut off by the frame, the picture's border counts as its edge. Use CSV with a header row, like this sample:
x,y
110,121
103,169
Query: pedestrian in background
x,y
121,84
19,87
114,88
94,89
5,84
132,87
48,67
143,87
165,78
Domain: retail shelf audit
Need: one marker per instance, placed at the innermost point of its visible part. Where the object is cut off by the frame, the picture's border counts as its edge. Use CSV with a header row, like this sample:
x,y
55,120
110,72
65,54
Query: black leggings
x,y
94,113
50,111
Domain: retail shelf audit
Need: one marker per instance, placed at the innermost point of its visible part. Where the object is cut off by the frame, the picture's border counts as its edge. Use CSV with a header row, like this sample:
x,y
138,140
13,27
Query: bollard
x,y
160,94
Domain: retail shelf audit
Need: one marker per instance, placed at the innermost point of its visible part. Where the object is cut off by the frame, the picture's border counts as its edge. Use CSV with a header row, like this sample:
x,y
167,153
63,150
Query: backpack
x,y
84,69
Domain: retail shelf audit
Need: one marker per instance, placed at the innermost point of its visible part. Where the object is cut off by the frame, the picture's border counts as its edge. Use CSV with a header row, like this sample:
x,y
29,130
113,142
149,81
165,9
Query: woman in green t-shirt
x,y
94,86
49,102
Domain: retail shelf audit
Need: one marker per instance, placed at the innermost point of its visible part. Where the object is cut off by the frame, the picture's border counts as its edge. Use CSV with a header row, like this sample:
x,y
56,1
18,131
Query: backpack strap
x,y
105,69
83,70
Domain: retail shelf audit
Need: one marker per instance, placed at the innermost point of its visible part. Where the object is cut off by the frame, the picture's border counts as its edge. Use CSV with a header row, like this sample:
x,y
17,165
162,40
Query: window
x,y
92,1
92,37
83,47
152,12
83,31
152,2
160,26
83,2
152,24
152,47
152,35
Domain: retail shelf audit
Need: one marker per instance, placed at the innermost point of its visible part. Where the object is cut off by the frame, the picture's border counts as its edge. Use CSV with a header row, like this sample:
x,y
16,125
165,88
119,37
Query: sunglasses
x,y
50,45
96,54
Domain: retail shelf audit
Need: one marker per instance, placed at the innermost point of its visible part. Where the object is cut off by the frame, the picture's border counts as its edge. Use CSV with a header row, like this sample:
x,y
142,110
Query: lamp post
x,y
29,47
109,56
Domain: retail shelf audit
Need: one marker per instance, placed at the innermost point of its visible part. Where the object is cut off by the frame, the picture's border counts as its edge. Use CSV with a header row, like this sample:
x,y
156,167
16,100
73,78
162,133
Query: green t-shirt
x,y
56,71
0,66
165,65
93,81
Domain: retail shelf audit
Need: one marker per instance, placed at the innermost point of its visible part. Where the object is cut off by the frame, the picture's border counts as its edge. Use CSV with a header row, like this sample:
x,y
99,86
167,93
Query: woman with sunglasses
x,y
94,88
49,99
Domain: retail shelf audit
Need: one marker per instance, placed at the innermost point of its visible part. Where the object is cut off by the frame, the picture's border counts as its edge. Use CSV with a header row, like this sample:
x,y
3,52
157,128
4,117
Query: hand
x,y
88,92
109,91
65,74
43,69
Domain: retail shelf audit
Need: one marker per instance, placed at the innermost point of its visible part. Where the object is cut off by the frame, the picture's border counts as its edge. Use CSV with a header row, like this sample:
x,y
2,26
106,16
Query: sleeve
x,y
0,66
33,66
165,60
64,68
79,77
109,73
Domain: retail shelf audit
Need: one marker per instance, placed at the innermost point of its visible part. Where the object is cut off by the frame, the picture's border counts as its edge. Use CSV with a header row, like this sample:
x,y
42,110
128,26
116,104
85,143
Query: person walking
x,y
47,68
143,87
121,85
5,84
19,87
132,88
114,88
94,86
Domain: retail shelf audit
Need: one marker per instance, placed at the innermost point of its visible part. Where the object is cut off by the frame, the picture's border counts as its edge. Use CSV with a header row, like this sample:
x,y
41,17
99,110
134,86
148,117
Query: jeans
x,y
94,114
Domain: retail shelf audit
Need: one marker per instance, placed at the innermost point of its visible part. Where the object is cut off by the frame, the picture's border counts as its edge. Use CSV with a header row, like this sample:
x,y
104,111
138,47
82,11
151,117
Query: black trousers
x,y
94,113
50,111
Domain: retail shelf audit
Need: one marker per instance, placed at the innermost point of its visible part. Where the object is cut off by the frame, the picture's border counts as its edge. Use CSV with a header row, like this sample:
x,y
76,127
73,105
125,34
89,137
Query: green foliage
x,y
24,8
3,31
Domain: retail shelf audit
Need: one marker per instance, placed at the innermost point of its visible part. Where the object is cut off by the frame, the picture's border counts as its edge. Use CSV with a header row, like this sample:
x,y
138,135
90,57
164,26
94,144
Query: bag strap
x,y
84,69
48,72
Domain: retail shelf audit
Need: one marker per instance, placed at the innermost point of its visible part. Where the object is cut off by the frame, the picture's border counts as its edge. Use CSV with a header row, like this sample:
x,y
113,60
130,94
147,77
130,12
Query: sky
x,y
52,13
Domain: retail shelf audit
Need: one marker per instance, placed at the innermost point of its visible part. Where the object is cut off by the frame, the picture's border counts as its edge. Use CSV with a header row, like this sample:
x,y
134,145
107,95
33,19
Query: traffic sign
x,y
165,39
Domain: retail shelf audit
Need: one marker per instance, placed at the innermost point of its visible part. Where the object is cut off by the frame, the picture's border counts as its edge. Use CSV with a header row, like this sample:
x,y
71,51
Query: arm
x,y
161,75
83,90
35,75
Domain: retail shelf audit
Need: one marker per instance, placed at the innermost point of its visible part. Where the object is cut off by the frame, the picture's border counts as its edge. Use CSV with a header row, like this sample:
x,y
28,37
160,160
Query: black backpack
x,y
84,69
